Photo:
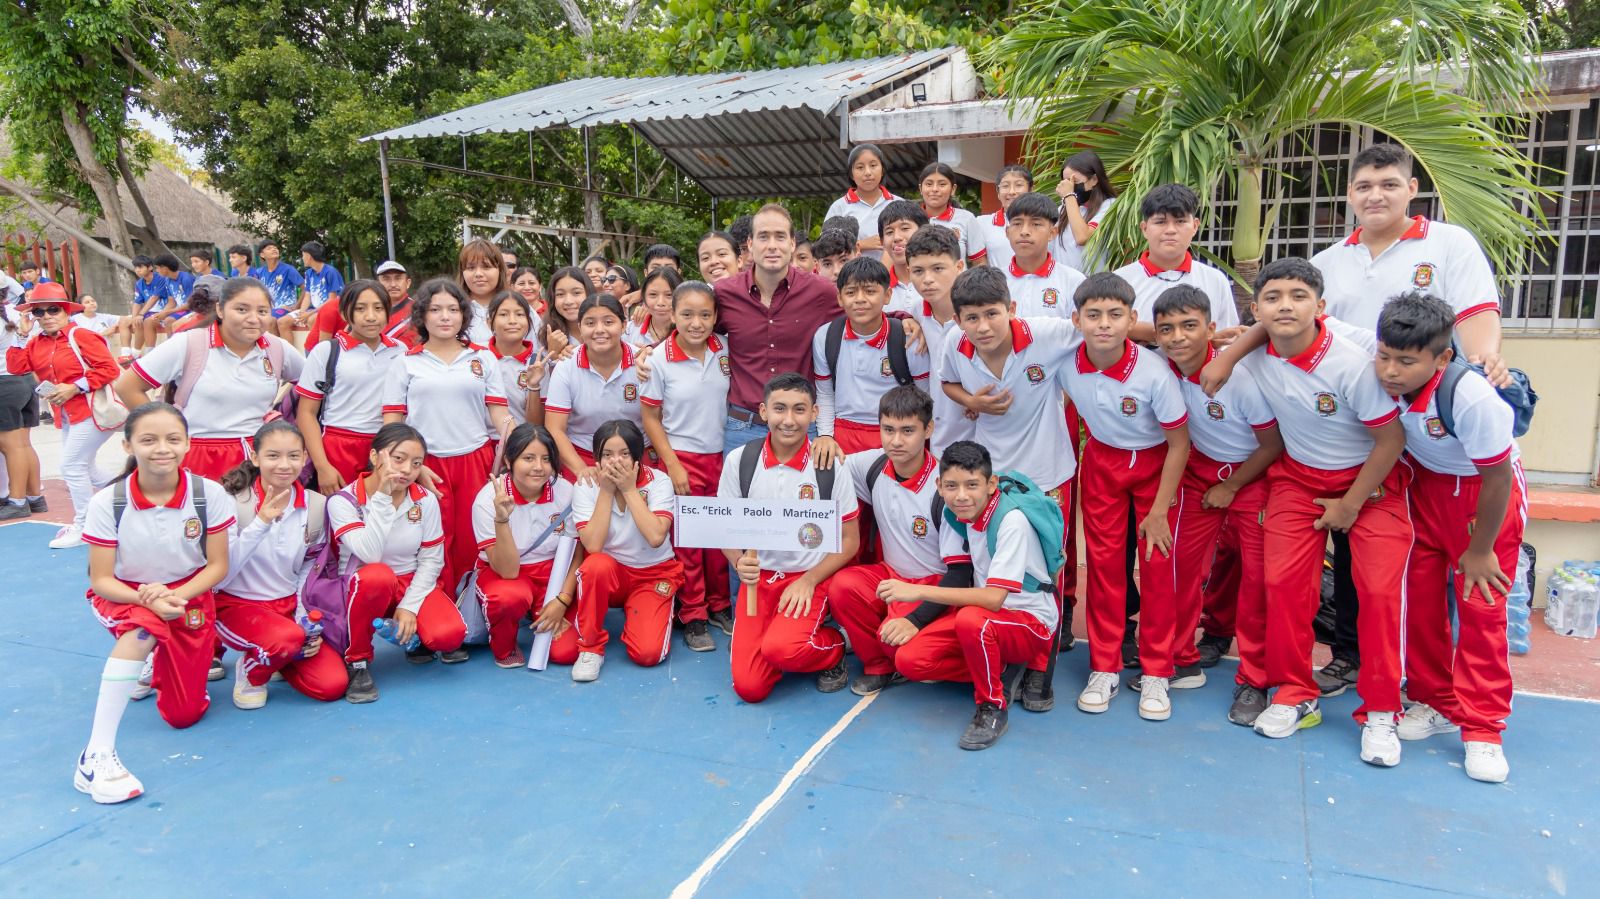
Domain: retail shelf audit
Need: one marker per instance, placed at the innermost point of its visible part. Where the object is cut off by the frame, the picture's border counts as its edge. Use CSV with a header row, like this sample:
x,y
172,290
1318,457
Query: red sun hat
x,y
49,293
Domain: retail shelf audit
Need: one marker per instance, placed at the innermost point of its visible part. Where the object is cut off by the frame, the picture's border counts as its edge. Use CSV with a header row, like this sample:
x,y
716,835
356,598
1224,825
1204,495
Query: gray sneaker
x,y
38,506
1337,676
1248,704
13,512
697,637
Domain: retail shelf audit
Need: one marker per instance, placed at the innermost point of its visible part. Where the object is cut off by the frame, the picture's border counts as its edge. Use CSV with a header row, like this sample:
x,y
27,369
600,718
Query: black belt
x,y
740,413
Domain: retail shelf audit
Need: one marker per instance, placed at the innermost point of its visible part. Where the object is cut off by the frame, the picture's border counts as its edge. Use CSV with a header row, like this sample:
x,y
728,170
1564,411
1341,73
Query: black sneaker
x,y
454,656
834,679
721,619
1011,681
1212,649
1064,628
988,724
1038,694
1188,677
38,506
419,655
1130,652
868,684
361,688
1248,704
12,512
697,637
1337,676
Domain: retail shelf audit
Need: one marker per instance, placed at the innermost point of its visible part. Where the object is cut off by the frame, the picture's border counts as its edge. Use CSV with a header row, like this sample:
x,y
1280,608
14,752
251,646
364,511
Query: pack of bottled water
x,y
1573,594
1519,605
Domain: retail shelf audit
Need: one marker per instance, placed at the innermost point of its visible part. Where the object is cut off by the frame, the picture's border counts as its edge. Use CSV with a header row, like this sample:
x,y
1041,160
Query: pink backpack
x,y
198,343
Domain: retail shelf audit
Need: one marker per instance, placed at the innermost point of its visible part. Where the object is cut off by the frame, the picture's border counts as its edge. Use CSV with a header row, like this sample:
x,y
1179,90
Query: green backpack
x,y
1043,514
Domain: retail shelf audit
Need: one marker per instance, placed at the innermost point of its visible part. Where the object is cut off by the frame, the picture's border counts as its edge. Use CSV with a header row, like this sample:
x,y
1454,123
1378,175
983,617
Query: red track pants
x,y
182,655
974,644
506,601
853,596
1469,683
1198,532
347,451
460,479
644,595
767,644
1294,549
705,571
375,591
271,640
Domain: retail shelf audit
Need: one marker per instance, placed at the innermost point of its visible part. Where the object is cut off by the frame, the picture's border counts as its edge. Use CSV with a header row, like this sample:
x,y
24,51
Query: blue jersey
x,y
179,288
144,291
283,285
322,285
29,285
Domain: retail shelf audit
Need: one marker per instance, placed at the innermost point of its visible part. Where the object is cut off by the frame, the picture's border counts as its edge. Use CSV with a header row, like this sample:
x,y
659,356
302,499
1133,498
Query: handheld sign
x,y
709,522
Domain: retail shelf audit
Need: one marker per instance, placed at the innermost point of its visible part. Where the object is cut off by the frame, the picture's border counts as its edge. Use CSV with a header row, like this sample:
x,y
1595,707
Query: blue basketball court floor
x,y
471,780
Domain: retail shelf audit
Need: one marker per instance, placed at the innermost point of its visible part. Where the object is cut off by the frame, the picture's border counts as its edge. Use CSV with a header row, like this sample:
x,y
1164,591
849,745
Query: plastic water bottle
x,y
1518,609
386,628
1584,610
1555,615
311,623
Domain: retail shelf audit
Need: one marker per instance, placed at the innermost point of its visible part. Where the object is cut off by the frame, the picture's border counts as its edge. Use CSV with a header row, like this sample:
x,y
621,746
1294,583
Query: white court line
x,y
691,884
1556,696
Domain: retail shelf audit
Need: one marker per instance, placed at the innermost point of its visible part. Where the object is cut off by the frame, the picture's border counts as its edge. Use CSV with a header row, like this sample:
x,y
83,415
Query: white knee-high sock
x,y
117,683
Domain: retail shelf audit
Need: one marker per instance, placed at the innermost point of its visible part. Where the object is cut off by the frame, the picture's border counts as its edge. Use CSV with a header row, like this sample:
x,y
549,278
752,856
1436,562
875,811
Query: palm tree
x,y
1202,92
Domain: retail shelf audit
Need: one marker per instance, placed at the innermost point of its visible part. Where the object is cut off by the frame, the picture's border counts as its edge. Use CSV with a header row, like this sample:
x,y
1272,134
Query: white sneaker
x,y
1153,702
1422,721
587,668
1281,720
245,695
146,676
1487,762
68,537
102,776
1097,694
1379,744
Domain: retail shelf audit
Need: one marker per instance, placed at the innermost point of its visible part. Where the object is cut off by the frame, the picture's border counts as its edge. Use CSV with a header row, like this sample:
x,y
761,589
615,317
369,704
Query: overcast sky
x,y
161,129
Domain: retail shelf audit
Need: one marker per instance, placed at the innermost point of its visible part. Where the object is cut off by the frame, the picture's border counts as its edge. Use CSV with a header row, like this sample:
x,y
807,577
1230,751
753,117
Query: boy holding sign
x,y
782,598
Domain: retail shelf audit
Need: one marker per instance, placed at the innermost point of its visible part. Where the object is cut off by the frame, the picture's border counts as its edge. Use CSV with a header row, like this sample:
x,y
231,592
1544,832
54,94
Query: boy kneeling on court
x,y
783,598
1002,536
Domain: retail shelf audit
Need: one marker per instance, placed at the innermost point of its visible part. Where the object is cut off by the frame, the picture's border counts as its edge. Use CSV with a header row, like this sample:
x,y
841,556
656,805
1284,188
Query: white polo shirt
x,y
903,511
965,225
1223,427
479,331
514,379
624,541
529,518
447,401
865,374
1066,248
994,247
1129,405
1442,259
1017,554
691,393
902,296
590,400
1326,400
1150,281
407,529
1483,424
951,420
158,544
266,559
866,216
1045,291
356,401
1031,437
794,479
233,393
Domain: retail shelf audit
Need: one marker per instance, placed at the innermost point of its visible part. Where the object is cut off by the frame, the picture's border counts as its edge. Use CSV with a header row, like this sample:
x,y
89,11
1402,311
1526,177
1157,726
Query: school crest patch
x,y
1422,275
1035,373
919,526
560,526
266,365
1051,296
630,393
1434,427
664,588
808,491
191,528
1327,404
195,618
1215,412
522,380
414,514
476,366
884,368
1130,407
722,363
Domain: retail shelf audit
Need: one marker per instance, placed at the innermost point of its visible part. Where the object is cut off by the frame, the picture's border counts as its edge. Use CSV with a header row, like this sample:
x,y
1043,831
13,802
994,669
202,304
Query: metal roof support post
x,y
844,123
388,207
714,225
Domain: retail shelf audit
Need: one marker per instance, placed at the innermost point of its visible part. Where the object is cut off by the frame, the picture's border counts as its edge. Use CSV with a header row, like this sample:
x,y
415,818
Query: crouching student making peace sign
x,y
158,543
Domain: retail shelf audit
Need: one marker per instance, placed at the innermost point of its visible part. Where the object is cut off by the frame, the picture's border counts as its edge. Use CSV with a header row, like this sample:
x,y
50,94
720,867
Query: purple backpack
x,y
325,586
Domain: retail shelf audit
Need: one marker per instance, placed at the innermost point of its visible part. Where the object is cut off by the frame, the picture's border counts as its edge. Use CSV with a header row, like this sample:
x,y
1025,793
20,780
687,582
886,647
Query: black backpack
x,y
896,346
751,455
197,495
880,465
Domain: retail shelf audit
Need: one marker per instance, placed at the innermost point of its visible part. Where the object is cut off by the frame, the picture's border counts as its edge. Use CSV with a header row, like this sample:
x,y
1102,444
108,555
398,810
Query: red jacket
x,y
50,358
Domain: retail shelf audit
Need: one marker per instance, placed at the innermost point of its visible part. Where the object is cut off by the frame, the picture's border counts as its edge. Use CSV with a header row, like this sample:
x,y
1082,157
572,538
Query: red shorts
x,y
855,437
182,657
213,457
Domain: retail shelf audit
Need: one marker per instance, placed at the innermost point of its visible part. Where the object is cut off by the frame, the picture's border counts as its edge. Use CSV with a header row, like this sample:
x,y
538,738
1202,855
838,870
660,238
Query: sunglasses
x,y
610,279
47,310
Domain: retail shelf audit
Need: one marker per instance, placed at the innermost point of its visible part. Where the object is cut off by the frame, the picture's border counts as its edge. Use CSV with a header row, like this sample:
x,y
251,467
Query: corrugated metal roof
x,y
770,132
